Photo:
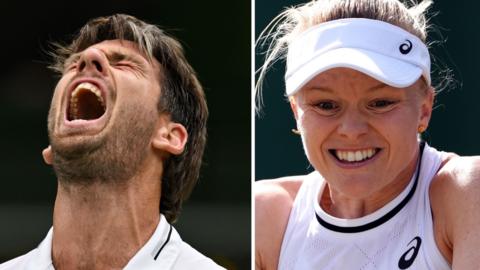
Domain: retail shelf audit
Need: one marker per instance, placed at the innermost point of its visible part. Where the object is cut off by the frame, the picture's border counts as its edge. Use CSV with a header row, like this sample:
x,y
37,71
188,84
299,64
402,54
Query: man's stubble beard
x,y
113,157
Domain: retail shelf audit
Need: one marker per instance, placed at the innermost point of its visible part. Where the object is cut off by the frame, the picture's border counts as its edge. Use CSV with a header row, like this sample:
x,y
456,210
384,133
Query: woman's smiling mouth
x,y
354,156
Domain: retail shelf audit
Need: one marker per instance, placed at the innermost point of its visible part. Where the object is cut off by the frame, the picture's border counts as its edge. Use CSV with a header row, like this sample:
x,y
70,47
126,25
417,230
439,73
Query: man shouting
x,y
127,130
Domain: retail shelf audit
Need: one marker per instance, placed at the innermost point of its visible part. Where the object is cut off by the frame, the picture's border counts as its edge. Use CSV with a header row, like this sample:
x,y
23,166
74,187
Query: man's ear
x,y
47,155
170,137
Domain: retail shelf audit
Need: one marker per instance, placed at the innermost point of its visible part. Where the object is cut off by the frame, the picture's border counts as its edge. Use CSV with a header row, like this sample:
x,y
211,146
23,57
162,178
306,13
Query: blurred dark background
x,y
454,125
216,219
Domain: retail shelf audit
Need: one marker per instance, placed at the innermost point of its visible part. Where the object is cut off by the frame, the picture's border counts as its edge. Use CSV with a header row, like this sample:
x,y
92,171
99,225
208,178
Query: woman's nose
x,y
353,125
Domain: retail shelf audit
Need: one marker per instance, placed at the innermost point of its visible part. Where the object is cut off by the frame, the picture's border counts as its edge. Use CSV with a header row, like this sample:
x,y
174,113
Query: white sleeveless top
x,y
397,236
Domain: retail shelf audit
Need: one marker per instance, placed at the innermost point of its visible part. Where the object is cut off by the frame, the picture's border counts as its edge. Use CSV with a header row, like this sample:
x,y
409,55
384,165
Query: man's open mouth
x,y
347,156
86,103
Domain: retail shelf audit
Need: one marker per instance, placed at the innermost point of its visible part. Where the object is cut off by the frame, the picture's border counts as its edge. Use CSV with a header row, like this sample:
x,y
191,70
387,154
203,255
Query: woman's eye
x,y
382,105
327,105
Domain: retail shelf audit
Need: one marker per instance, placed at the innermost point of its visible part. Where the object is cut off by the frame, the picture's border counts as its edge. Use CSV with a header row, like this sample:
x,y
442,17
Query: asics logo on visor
x,y
405,48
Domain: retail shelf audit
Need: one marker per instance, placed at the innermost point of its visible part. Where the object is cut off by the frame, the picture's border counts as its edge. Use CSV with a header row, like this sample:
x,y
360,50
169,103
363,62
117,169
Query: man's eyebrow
x,y
116,56
71,59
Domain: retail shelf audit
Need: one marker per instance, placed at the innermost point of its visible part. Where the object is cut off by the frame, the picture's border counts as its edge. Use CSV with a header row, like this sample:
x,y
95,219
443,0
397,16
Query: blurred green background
x,y
454,126
216,219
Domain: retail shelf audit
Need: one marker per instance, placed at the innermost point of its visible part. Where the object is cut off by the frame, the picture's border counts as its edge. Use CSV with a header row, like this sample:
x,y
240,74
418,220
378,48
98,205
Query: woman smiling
x,y
358,82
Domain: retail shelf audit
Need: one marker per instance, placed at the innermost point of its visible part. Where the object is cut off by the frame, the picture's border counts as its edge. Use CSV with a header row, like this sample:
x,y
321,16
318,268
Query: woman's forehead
x,y
341,77
345,81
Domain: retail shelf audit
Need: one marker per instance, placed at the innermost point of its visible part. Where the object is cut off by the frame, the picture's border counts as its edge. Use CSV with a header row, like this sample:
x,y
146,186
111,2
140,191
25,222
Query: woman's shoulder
x,y
458,172
455,202
273,202
274,199
458,177
284,188
457,183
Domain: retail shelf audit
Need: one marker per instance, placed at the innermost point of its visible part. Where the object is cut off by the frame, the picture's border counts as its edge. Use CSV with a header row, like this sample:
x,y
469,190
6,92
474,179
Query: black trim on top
x,y
164,244
384,218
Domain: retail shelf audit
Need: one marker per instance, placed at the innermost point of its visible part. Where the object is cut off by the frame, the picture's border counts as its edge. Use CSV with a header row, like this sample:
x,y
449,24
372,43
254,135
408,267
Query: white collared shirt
x,y
164,250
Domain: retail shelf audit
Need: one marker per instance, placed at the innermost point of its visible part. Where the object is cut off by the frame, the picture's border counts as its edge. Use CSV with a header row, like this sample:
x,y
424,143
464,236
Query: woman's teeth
x,y
355,156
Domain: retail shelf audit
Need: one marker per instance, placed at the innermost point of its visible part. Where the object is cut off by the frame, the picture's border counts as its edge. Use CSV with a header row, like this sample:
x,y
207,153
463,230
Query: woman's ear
x,y
427,107
293,106
170,137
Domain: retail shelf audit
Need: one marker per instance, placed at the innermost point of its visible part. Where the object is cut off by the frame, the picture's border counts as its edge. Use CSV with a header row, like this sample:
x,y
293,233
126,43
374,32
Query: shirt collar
x,y
160,251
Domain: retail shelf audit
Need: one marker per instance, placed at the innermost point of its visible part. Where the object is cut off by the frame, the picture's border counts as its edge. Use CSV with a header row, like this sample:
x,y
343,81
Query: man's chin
x,y
86,162
74,147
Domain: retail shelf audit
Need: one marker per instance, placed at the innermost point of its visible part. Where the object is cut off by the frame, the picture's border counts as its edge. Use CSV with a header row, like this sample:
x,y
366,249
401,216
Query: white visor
x,y
379,49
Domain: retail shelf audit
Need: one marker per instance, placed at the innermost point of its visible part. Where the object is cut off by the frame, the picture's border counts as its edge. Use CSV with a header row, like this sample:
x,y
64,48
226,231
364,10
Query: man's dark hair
x,y
182,96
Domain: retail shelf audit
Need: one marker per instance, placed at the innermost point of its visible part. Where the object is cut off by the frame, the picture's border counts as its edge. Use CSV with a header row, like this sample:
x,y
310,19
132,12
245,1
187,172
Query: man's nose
x,y
92,60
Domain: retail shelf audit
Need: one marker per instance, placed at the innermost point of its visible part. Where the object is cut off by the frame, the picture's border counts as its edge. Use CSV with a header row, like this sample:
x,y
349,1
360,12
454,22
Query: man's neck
x,y
102,226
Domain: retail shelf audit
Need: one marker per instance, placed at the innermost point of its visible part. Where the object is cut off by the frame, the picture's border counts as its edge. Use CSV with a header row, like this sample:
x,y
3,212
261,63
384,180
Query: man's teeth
x,y
87,86
355,156
74,97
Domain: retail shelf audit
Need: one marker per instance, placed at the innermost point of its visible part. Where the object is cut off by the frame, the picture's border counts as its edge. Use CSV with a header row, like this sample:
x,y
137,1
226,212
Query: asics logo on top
x,y
409,256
